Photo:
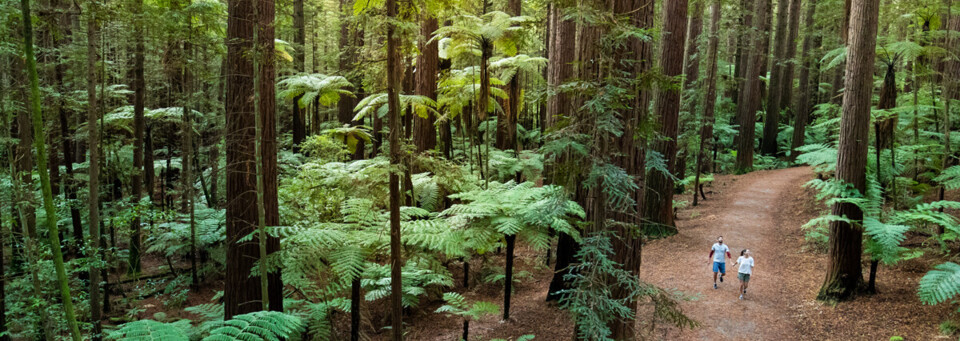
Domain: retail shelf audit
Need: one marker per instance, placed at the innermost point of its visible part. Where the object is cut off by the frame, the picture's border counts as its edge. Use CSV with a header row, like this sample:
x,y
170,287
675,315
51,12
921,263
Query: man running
x,y
717,253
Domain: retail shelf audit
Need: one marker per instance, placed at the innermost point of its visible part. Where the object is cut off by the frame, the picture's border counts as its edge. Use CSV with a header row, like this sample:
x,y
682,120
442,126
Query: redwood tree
x,y
657,205
428,62
771,122
242,292
393,115
299,60
709,97
811,40
749,101
139,89
843,277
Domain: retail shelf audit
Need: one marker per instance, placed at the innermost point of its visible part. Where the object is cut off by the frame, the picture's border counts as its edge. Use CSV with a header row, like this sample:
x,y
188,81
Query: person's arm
x,y
711,254
728,255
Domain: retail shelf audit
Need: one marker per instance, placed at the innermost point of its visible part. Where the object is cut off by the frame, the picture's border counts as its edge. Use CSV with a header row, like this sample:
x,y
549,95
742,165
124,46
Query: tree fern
x,y
324,89
148,330
940,284
260,325
885,239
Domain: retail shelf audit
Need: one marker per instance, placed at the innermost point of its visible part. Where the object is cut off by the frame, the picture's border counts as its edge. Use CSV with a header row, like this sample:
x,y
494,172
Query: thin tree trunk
x,y
393,113
843,276
93,170
802,106
299,59
187,153
709,97
139,90
39,143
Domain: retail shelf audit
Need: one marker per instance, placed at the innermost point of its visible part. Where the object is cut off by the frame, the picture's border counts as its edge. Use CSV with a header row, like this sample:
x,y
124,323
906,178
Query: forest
x,y
478,169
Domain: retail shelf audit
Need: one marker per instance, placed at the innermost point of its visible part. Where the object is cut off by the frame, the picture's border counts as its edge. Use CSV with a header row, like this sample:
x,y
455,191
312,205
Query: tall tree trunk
x,y
39,144
559,71
187,151
771,123
628,246
348,55
657,207
299,59
93,170
393,113
749,101
744,55
70,183
508,117
506,139
709,97
139,90
793,28
268,140
425,135
811,41
844,277
242,293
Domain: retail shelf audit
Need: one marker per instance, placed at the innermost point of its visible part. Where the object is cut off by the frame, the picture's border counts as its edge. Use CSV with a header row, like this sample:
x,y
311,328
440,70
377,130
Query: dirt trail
x,y
746,214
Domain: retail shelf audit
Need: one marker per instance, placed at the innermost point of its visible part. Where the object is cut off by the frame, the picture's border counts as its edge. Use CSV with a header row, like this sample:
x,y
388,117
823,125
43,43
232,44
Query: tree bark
x,y
559,71
793,27
709,97
771,122
93,170
299,60
749,101
242,293
39,144
425,130
393,113
657,206
844,277
628,246
139,93
811,41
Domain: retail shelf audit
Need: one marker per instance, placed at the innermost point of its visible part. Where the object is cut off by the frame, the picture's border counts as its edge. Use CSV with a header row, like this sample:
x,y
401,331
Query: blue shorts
x,y
720,267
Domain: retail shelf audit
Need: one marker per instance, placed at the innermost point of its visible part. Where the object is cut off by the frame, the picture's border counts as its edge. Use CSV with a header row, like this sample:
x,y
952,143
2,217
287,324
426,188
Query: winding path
x,y
746,213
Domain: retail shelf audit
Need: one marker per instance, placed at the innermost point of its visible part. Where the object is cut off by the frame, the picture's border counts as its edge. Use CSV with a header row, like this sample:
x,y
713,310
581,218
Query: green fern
x,y
949,178
885,239
457,305
148,330
940,284
324,89
260,325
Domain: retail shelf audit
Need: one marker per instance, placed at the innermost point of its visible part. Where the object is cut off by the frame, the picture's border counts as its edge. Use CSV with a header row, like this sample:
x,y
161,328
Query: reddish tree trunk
x,y
803,105
657,206
843,276
425,136
709,98
749,101
242,292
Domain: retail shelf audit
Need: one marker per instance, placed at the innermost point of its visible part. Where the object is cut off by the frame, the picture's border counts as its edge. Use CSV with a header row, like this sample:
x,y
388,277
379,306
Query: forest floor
x,y
762,211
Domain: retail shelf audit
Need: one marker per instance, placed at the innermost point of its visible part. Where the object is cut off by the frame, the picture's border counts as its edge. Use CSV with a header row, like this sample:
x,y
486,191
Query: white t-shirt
x,y
719,252
746,265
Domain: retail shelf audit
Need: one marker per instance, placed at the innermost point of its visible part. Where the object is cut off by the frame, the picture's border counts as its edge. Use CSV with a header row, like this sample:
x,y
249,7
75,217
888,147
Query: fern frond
x,y
260,325
148,330
940,284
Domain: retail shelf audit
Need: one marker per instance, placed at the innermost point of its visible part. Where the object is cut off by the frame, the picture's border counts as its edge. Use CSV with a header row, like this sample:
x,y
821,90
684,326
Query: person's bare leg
x,y
714,277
